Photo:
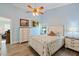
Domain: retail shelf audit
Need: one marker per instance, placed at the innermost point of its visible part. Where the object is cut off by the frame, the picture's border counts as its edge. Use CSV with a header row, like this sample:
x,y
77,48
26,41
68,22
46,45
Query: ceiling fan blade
x,y
29,6
40,8
35,10
28,11
40,12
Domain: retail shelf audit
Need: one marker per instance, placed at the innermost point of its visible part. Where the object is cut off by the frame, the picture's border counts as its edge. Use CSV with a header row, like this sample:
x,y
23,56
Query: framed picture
x,y
24,22
35,23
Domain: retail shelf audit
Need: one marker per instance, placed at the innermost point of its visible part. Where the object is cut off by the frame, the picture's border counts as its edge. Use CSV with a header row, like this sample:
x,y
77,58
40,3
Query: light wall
x,y
63,15
14,14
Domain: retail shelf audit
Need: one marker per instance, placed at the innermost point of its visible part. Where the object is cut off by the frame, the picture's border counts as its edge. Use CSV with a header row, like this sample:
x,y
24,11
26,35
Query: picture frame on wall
x,y
24,22
35,23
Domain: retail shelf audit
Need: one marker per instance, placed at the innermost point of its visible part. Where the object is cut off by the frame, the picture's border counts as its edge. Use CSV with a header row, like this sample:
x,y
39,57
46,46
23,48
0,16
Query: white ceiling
x,y
47,6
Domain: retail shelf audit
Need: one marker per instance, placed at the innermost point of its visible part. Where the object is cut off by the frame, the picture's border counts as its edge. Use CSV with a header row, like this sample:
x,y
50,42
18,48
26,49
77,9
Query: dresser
x,y
72,43
24,34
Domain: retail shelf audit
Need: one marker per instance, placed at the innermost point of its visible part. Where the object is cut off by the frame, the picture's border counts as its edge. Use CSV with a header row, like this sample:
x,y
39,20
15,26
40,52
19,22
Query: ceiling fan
x,y
35,11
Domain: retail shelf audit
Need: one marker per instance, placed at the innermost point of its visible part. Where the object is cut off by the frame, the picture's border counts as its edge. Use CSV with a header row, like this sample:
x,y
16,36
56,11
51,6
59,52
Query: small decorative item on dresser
x,y
24,22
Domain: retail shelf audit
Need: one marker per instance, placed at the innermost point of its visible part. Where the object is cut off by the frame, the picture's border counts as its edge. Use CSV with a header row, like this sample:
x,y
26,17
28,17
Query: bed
x,y
46,45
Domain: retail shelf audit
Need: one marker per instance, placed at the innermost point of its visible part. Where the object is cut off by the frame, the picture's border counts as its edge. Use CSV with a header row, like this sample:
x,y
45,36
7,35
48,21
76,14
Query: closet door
x,y
24,34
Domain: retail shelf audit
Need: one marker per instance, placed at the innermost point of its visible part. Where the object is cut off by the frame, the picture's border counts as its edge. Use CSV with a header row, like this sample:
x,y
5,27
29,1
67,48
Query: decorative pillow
x,y
51,33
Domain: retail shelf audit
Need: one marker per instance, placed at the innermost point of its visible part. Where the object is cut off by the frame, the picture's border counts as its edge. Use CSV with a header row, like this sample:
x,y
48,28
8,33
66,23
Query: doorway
x,y
5,29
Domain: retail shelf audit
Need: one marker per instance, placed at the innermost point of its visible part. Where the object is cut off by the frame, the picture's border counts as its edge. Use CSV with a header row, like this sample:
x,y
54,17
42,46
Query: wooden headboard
x,y
56,29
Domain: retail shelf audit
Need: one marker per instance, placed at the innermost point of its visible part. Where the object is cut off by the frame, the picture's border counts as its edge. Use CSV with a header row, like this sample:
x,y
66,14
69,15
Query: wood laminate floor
x,y
24,50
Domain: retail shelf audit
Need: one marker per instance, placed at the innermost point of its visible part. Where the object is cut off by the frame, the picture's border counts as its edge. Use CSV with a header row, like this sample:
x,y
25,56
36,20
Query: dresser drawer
x,y
76,44
76,41
67,42
68,39
24,34
76,48
71,40
70,46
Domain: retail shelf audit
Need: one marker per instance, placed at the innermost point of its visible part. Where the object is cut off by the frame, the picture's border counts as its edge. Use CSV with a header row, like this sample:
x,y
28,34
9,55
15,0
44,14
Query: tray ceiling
x,y
47,6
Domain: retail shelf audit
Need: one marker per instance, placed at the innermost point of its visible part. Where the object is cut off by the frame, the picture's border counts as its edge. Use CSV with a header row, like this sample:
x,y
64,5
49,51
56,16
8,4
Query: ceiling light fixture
x,y
35,11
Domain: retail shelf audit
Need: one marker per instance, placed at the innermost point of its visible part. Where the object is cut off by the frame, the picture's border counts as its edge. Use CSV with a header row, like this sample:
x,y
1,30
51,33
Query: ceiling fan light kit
x,y
36,11
35,14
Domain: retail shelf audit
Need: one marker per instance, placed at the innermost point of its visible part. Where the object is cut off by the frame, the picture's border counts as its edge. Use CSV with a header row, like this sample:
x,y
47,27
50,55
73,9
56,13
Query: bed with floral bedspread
x,y
46,45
